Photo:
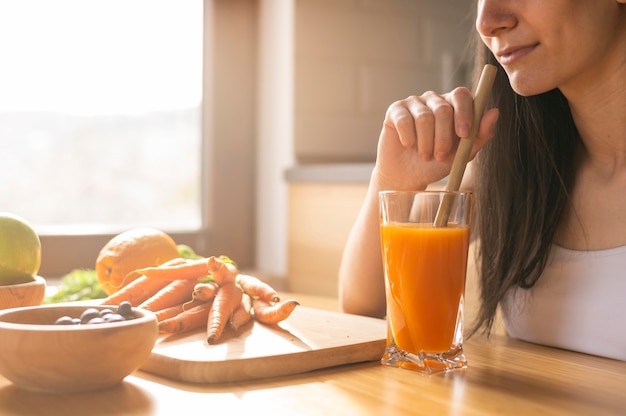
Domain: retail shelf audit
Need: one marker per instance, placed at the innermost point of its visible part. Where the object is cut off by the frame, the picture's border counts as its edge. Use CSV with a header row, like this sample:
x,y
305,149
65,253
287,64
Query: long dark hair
x,y
523,180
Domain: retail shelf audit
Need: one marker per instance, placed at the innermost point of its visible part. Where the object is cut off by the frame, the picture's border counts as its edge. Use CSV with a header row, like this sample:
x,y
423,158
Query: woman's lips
x,y
512,54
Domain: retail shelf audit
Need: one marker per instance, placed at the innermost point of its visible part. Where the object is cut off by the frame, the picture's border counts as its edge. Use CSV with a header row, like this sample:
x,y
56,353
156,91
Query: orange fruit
x,y
131,250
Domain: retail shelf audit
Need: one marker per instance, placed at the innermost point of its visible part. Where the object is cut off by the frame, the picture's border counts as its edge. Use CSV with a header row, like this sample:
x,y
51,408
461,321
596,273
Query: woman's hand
x,y
420,136
416,147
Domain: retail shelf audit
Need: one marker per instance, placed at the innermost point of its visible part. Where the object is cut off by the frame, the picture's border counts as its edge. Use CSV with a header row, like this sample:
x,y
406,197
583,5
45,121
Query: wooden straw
x,y
481,96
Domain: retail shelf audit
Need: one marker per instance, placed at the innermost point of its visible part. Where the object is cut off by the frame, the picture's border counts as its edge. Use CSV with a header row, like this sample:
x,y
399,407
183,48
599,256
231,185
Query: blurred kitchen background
x,y
242,127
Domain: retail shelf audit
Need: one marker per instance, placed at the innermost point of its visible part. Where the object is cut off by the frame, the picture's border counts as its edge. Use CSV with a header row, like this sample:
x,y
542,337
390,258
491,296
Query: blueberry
x,y
64,320
125,309
89,314
113,317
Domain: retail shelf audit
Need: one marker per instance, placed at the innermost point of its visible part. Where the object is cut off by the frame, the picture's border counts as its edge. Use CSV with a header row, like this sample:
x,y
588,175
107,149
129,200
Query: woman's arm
x,y
361,283
415,148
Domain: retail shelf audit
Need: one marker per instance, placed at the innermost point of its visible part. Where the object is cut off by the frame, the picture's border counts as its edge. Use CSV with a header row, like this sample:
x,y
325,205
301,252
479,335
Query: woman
x,y
549,181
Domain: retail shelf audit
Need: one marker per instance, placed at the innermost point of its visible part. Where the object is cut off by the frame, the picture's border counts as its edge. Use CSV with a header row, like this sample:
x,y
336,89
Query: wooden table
x,y
504,377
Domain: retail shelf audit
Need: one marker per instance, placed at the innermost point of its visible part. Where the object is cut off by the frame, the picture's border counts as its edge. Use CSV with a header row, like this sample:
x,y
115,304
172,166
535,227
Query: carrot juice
x,y
425,268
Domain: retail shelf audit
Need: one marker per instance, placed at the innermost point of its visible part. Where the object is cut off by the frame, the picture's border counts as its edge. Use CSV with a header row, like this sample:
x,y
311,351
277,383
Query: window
x,y
100,112
103,123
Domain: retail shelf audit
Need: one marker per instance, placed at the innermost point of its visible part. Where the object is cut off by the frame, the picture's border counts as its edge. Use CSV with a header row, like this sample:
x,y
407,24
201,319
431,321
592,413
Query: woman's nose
x,y
494,16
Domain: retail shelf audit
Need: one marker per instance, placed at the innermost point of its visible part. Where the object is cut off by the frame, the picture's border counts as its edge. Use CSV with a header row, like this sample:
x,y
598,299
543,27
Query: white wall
x,y
328,69
355,57
275,133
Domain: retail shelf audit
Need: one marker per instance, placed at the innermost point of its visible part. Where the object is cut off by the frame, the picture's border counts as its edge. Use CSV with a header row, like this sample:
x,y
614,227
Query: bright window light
x,y
100,121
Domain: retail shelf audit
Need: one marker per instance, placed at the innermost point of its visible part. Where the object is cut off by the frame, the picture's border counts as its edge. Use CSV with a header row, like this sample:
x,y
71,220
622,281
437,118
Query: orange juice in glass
x,y
425,267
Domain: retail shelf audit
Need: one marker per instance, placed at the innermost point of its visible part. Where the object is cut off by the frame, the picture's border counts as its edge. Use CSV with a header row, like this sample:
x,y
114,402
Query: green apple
x,y
20,250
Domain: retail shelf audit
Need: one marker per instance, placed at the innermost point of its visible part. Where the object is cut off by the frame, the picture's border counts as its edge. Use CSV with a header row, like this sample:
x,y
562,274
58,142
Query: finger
x,y
486,129
435,128
463,103
400,119
424,121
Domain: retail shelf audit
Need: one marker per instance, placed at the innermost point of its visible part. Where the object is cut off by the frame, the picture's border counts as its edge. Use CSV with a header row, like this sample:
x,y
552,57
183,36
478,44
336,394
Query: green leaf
x,y
187,252
79,284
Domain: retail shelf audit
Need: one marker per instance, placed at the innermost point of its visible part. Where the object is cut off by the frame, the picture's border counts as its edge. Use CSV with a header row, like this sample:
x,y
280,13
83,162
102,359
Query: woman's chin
x,y
527,86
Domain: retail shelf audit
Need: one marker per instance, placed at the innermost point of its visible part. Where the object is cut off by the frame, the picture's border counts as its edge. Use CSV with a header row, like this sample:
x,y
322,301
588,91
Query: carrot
x,y
268,313
172,311
221,271
173,293
257,288
226,300
205,291
136,275
242,313
136,291
190,269
187,320
173,262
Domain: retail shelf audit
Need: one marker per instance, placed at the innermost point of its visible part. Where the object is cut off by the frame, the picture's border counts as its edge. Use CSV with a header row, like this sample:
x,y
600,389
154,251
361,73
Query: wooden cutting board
x,y
309,339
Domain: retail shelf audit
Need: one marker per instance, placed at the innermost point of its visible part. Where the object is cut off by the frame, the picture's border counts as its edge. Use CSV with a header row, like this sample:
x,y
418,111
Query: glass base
x,y
424,362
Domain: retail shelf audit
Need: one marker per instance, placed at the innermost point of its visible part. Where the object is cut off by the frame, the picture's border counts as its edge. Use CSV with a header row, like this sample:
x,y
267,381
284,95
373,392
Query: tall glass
x,y
425,268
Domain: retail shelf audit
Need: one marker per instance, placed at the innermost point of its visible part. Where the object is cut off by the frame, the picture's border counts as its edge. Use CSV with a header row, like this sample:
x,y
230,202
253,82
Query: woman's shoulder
x,y
575,304
560,254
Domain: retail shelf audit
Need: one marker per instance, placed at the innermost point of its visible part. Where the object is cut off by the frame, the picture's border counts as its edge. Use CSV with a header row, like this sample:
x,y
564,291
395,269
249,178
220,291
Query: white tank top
x,y
579,303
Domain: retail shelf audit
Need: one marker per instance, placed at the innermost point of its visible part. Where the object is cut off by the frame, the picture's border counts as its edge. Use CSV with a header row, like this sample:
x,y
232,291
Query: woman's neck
x,y
599,112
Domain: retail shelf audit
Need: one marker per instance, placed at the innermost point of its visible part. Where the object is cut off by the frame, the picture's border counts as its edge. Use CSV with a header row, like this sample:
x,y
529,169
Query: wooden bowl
x,y
23,294
37,355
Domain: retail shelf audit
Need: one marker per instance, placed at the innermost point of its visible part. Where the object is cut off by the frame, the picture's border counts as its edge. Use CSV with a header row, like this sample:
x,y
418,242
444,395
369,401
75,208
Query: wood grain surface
x,y
504,377
309,339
